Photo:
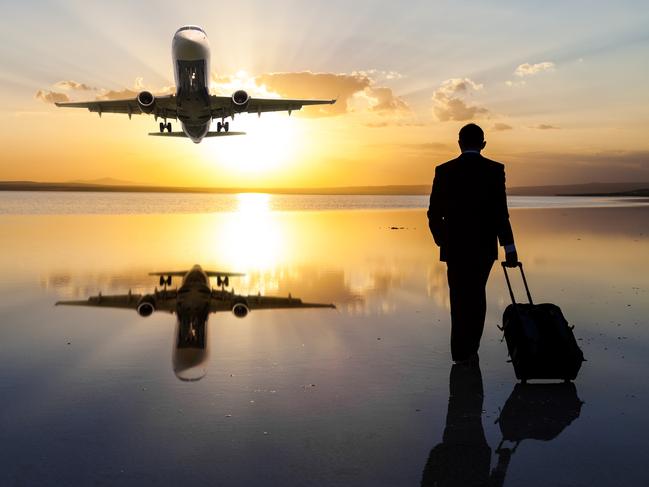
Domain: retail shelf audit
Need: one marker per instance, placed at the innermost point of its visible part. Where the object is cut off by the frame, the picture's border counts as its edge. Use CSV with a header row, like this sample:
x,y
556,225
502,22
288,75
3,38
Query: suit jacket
x,y
468,208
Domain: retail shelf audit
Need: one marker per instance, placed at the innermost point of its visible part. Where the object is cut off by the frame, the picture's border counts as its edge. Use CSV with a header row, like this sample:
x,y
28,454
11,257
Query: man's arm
x,y
436,209
505,233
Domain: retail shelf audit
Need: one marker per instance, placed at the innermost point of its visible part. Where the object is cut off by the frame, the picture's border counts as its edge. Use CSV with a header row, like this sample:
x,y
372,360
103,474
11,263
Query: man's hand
x,y
511,259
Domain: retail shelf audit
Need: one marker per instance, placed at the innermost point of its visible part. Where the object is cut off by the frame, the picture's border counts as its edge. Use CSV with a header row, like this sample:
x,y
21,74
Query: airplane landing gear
x,y
225,126
165,126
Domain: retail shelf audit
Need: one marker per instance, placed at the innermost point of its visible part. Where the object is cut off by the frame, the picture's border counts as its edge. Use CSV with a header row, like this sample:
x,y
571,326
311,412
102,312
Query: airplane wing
x,y
222,106
223,274
169,273
161,300
182,134
225,301
165,106
209,273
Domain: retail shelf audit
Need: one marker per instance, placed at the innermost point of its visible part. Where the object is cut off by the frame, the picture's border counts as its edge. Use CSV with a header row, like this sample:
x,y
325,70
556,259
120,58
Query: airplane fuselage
x,y
190,53
193,297
192,310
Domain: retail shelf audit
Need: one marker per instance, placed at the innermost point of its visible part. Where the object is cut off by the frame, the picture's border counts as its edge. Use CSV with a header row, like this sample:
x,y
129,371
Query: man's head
x,y
471,138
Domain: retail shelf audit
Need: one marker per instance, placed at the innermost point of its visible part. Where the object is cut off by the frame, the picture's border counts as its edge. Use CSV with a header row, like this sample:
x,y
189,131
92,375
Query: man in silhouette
x,y
467,216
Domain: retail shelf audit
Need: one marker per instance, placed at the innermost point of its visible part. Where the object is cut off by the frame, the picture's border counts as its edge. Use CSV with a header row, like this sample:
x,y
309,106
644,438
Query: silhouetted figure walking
x,y
467,216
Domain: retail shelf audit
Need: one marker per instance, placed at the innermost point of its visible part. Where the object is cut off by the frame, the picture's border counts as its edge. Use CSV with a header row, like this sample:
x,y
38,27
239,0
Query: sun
x,y
272,141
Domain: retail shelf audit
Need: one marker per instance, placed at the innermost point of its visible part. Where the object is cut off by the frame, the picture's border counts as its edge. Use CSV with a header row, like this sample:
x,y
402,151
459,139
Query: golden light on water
x,y
250,237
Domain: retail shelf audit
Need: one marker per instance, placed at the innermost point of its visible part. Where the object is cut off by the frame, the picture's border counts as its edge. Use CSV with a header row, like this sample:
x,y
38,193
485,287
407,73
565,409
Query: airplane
x,y
192,104
192,303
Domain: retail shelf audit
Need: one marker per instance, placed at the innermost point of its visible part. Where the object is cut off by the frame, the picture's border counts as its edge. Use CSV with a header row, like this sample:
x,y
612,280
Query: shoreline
x,y
640,190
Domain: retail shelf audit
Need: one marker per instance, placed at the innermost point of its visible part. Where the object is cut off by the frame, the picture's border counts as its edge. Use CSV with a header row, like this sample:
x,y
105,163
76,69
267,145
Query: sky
x,y
560,88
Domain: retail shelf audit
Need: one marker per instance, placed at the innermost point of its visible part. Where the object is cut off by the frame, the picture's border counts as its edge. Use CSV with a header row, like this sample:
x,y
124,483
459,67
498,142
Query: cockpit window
x,y
191,27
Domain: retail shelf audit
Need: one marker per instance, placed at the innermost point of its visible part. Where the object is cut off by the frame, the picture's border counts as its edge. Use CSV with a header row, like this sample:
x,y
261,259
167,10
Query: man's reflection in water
x,y
533,411
464,457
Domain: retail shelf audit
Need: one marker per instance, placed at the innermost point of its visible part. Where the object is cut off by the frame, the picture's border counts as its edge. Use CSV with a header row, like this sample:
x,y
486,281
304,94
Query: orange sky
x,y
563,104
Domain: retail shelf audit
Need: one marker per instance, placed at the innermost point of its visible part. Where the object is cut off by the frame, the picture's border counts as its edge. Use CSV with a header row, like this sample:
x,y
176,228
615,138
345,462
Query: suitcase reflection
x,y
532,412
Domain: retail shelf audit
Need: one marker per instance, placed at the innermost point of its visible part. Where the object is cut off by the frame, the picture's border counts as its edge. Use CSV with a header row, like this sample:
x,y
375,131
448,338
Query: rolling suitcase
x,y
540,342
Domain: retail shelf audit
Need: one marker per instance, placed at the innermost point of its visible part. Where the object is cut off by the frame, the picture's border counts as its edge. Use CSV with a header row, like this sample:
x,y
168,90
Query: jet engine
x,y
240,98
240,310
146,101
146,306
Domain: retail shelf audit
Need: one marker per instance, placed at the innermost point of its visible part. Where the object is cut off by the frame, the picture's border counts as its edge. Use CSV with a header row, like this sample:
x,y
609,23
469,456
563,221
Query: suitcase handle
x,y
509,285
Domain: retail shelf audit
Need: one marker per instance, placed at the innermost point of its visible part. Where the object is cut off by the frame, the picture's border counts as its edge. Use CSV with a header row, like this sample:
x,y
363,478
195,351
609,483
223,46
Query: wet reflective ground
x,y
357,396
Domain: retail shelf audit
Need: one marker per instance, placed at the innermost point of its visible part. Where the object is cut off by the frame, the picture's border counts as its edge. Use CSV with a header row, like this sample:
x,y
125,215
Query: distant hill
x,y
135,188
588,189
634,193
114,185
104,182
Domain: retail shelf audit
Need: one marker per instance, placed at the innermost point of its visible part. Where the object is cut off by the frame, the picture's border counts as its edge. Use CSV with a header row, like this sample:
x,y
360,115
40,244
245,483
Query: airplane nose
x,y
190,45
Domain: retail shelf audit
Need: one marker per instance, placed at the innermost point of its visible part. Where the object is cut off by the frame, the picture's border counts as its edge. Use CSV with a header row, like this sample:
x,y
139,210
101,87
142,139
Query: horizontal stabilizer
x,y
182,134
169,273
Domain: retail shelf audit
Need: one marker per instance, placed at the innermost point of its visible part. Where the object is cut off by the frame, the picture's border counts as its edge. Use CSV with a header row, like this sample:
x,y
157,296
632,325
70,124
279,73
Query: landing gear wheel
x,y
219,126
226,126
162,127
169,127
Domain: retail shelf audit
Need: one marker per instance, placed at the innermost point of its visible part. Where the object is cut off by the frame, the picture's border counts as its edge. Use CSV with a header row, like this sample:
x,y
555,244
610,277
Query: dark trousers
x,y
467,282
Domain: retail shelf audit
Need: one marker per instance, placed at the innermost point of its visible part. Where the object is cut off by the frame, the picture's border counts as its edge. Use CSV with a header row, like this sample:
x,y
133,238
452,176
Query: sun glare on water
x,y
251,236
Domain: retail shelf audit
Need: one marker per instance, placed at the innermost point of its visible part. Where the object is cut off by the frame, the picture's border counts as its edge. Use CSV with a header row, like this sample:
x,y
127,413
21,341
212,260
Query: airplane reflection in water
x,y
192,303
533,411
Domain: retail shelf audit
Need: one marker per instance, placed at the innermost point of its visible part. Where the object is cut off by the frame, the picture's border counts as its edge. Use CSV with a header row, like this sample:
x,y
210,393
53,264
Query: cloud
x,y
545,126
528,69
355,92
385,101
499,127
73,85
116,94
48,96
102,94
448,103
380,75
127,93
395,123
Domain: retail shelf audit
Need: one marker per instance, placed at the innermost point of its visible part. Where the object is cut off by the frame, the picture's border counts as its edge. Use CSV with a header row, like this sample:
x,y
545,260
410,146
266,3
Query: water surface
x,y
55,203
356,396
